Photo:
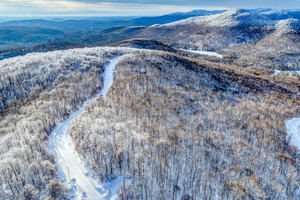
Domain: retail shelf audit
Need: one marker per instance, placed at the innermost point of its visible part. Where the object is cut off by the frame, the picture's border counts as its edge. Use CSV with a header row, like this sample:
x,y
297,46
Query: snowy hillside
x,y
213,32
277,50
233,17
286,26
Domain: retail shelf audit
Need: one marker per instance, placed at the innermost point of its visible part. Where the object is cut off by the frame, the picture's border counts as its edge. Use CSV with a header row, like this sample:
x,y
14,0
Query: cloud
x,y
87,8
31,8
279,4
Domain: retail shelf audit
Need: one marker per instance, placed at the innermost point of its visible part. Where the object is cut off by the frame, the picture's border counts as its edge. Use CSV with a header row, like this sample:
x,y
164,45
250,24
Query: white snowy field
x,y
208,53
71,168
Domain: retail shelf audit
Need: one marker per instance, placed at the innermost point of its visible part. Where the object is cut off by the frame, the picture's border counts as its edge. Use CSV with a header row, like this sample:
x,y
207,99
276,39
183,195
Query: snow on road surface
x,y
293,131
208,53
71,169
108,77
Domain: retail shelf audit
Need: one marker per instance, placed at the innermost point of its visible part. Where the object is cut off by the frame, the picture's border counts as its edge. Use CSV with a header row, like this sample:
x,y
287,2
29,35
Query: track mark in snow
x,y
71,169
293,131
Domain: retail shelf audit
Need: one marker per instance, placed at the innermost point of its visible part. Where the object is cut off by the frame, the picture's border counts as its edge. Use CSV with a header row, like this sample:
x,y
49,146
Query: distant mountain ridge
x,y
213,32
229,18
67,25
98,24
198,30
17,36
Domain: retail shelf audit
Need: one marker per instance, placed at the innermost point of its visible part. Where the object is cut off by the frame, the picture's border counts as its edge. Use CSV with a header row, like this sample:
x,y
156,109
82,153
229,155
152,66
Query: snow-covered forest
x,y
184,129
174,127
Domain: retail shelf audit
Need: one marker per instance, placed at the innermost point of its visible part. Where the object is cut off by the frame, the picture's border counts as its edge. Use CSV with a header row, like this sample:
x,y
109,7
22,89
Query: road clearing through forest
x,y
70,167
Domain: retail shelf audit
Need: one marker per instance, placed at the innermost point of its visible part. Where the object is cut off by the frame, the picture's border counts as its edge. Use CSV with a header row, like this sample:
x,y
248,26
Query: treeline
x,y
185,129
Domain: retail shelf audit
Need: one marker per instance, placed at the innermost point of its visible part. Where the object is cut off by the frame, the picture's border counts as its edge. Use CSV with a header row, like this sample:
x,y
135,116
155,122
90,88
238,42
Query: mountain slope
x,y
278,50
235,17
213,32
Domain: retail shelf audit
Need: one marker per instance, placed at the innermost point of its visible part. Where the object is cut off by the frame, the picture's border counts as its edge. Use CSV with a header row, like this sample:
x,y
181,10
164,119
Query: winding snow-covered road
x,y
71,169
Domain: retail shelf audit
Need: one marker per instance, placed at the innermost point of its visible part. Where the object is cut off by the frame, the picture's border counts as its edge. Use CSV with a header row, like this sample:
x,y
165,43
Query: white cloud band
x,y
19,8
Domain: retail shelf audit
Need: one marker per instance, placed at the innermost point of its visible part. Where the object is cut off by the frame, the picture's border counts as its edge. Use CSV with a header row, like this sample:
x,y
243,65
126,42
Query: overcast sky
x,y
35,8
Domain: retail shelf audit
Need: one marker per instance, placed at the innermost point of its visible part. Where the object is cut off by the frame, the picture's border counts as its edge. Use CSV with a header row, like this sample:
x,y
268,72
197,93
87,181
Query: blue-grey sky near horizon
x,y
43,8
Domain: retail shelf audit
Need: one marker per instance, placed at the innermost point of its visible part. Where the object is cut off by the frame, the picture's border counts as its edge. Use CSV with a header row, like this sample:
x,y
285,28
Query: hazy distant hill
x,y
13,37
103,23
67,25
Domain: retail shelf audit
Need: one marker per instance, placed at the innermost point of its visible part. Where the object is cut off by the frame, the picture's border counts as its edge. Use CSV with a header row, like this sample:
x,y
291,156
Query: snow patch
x,y
289,73
276,72
208,53
293,131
